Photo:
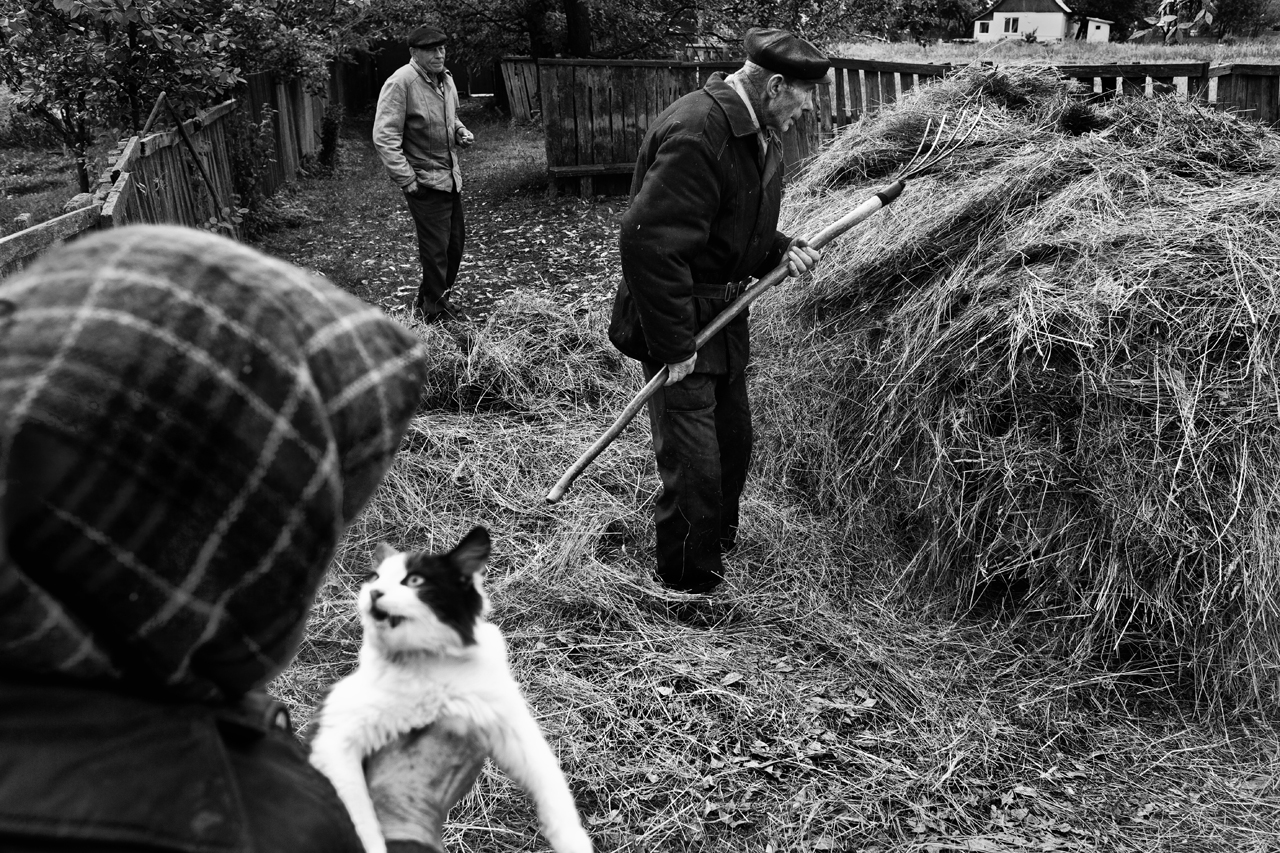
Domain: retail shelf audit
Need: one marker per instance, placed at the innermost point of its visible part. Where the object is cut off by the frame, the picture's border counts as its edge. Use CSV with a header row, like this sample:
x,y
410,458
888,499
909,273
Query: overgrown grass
x,y
34,183
37,176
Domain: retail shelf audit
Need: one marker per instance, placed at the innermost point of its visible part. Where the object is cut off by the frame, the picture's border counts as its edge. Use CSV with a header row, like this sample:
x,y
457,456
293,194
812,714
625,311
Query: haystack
x,y
1048,377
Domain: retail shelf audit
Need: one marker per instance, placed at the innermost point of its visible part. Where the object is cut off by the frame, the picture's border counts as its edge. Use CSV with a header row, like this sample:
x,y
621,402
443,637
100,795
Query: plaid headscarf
x,y
203,422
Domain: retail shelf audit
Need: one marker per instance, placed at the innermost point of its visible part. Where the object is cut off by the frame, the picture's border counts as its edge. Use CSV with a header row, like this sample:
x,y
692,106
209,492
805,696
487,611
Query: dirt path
x,y
354,228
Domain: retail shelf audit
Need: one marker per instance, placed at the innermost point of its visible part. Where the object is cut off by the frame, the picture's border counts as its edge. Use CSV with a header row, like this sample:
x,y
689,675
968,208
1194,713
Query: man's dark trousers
x,y
437,217
702,438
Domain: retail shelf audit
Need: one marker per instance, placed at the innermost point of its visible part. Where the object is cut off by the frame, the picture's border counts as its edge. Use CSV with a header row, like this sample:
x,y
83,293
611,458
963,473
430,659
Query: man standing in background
x,y
417,134
705,199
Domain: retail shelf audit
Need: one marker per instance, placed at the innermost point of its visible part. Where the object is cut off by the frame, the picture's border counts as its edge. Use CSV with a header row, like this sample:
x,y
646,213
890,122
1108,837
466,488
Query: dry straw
x,y
913,407
1048,375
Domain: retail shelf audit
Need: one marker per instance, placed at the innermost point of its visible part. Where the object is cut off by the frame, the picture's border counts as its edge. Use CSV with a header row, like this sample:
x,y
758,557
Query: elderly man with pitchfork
x,y
703,219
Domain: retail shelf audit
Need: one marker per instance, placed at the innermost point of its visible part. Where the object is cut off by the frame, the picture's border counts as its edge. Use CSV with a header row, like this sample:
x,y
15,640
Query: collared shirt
x,y
761,134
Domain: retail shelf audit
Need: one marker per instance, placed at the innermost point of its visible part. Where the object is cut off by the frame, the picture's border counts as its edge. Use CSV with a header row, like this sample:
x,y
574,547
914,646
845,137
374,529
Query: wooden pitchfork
x,y
921,161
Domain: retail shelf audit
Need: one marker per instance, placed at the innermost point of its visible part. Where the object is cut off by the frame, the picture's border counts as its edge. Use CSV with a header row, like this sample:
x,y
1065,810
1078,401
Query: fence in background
x,y
1250,88
154,178
520,76
297,116
595,112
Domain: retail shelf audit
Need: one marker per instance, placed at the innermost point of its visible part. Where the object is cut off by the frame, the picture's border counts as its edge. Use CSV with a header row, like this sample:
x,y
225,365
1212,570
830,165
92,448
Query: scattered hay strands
x,y
811,715
1048,374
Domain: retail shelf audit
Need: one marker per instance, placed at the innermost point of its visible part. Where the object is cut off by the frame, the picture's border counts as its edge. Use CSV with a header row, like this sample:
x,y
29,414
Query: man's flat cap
x,y
426,37
786,54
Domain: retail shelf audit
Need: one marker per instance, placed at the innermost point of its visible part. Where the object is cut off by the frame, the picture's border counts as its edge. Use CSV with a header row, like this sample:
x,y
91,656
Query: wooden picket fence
x,y
520,76
595,112
154,178
1250,88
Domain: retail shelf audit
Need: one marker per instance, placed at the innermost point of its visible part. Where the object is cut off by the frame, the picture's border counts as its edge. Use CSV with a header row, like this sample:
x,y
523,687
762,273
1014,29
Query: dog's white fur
x,y
413,671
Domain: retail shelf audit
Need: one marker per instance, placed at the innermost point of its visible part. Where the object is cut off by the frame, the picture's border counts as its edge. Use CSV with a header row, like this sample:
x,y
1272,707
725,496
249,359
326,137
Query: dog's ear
x,y
382,553
472,552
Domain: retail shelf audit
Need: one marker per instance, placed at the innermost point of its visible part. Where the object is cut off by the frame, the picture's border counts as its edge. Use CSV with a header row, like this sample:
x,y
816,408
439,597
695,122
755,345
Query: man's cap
x,y
781,52
426,37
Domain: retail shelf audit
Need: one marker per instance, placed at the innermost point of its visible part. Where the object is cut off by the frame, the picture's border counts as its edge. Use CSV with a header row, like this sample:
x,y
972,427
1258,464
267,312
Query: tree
x,y
1244,17
609,29
489,29
85,66
82,65
1176,19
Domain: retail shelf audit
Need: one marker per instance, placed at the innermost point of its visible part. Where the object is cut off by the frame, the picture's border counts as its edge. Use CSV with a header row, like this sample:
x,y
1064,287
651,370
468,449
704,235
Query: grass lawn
x,y
36,176
813,708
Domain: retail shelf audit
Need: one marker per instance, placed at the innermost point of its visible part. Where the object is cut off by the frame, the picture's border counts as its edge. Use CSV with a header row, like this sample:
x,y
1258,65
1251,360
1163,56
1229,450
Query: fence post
x,y
1198,86
1250,88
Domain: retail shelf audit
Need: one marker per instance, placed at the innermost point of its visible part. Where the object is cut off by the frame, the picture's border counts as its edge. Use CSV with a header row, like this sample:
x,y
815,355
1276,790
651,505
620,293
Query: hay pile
x,y
805,715
1047,375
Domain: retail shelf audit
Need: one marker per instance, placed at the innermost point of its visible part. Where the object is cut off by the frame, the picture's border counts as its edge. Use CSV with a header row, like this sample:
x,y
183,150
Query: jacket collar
x,y
731,102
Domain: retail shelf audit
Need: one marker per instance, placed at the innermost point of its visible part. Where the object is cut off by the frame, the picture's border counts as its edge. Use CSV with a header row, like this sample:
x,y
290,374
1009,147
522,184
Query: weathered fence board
x,y
20,247
1108,80
587,104
260,93
120,207
154,179
286,132
595,114
520,76
171,186
1251,89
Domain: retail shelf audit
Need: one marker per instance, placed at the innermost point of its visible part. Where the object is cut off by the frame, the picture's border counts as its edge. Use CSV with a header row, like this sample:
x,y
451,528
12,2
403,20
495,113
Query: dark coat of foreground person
x,y
705,199
186,428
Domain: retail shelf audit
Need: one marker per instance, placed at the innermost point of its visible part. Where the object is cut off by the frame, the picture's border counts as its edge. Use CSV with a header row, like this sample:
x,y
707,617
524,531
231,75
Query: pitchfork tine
x,y
923,138
938,153
918,160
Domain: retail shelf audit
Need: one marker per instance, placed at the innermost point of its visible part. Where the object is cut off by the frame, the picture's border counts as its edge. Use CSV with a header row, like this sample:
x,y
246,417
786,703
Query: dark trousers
x,y
437,218
702,439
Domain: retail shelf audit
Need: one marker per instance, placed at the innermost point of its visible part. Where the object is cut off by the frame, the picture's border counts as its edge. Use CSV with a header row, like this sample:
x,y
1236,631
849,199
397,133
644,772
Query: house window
x,y
984,26
1010,25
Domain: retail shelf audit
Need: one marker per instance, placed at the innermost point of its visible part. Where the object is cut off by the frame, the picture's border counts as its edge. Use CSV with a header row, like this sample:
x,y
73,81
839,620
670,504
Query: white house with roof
x,y
1050,20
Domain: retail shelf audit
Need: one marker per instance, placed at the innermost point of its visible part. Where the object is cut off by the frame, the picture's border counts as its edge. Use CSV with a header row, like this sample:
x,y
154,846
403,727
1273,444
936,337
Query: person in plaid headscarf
x,y
186,428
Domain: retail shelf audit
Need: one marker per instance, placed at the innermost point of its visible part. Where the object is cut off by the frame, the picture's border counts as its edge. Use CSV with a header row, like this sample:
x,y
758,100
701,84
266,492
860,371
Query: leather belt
x,y
729,292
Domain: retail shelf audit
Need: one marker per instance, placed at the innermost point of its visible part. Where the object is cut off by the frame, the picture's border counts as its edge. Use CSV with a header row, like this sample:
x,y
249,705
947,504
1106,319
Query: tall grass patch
x,y
1047,377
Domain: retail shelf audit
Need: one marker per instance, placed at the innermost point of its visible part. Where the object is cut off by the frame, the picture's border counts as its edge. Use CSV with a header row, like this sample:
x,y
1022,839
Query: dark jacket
x,y
703,209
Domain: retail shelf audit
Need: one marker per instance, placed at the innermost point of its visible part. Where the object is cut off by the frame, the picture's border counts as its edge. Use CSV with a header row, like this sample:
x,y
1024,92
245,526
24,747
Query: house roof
x,y
1025,6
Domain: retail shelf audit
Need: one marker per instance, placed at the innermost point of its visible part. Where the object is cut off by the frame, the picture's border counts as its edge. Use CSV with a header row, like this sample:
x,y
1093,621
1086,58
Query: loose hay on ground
x,y
815,714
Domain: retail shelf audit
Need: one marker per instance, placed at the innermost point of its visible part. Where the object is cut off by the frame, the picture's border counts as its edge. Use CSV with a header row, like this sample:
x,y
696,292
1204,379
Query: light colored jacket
x,y
415,129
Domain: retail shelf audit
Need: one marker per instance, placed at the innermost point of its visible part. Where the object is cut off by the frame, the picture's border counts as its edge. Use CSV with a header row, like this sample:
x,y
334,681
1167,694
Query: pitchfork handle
x,y
882,198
